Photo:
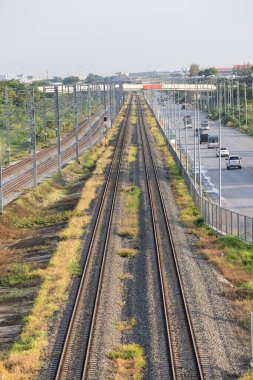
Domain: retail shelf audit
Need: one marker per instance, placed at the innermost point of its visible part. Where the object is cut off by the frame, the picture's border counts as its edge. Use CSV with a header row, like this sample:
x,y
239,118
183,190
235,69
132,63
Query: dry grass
x,y
133,117
128,362
132,154
127,326
130,223
127,252
125,276
25,357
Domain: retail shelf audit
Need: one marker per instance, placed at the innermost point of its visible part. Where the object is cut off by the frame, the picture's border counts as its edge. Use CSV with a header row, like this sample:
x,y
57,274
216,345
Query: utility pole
x,y
246,106
99,114
7,126
199,151
90,121
33,140
76,122
63,107
44,115
57,123
195,120
220,105
238,103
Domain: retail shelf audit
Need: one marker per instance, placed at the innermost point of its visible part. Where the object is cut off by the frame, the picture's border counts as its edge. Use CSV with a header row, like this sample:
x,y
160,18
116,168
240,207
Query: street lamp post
x,y
220,148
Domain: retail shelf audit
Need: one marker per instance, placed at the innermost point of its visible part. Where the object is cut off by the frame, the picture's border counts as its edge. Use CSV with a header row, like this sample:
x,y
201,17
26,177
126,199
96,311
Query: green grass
x,y
127,352
44,220
238,252
127,252
130,223
128,361
21,274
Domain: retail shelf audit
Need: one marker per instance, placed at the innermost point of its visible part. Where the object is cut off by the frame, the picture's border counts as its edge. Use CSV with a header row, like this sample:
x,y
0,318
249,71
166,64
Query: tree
x,y
208,72
194,70
56,79
70,80
94,79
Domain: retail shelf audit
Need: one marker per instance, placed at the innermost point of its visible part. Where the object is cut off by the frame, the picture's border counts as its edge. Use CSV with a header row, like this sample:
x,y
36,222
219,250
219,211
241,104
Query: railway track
x,y
47,161
182,348
73,359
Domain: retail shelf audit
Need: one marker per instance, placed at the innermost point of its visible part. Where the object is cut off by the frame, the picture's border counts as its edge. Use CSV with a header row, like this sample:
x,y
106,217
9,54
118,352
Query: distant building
x,y
20,77
242,68
224,71
3,77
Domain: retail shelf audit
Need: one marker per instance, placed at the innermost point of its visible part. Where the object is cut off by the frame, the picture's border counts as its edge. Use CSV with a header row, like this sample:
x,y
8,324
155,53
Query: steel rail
x,y
149,168
110,183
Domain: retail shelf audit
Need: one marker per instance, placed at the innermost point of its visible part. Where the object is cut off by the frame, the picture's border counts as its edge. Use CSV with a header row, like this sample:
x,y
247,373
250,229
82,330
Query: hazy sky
x,y
75,37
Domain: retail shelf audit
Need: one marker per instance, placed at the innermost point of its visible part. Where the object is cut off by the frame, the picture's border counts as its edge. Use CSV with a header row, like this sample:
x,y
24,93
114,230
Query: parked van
x,y
213,141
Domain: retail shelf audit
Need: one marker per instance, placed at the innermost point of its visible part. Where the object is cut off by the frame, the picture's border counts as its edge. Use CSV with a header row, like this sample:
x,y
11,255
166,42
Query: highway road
x,y
236,184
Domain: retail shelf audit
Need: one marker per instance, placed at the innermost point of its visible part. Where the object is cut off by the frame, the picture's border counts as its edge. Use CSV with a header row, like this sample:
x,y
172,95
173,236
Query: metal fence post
x,y
76,122
226,221
251,339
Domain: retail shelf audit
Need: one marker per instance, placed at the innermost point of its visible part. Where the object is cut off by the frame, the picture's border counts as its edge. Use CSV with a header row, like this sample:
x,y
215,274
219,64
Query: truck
x,y
203,138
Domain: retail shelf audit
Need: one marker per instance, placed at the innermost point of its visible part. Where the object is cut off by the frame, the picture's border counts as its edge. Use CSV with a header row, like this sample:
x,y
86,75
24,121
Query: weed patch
x,y
128,362
125,276
127,252
130,223
132,154
127,326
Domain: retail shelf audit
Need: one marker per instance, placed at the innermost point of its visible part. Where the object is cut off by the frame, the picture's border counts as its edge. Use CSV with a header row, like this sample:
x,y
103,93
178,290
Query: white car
x,y
205,124
224,152
234,162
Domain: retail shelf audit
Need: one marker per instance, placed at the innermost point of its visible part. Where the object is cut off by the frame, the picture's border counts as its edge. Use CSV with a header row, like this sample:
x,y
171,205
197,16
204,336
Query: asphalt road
x,y
236,184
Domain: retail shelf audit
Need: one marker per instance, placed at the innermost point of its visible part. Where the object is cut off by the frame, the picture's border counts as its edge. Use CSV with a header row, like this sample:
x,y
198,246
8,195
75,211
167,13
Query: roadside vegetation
x,y
23,220
233,257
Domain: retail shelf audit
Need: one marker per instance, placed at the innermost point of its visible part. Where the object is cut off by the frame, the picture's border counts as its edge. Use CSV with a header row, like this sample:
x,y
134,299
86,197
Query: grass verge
x,y
25,357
